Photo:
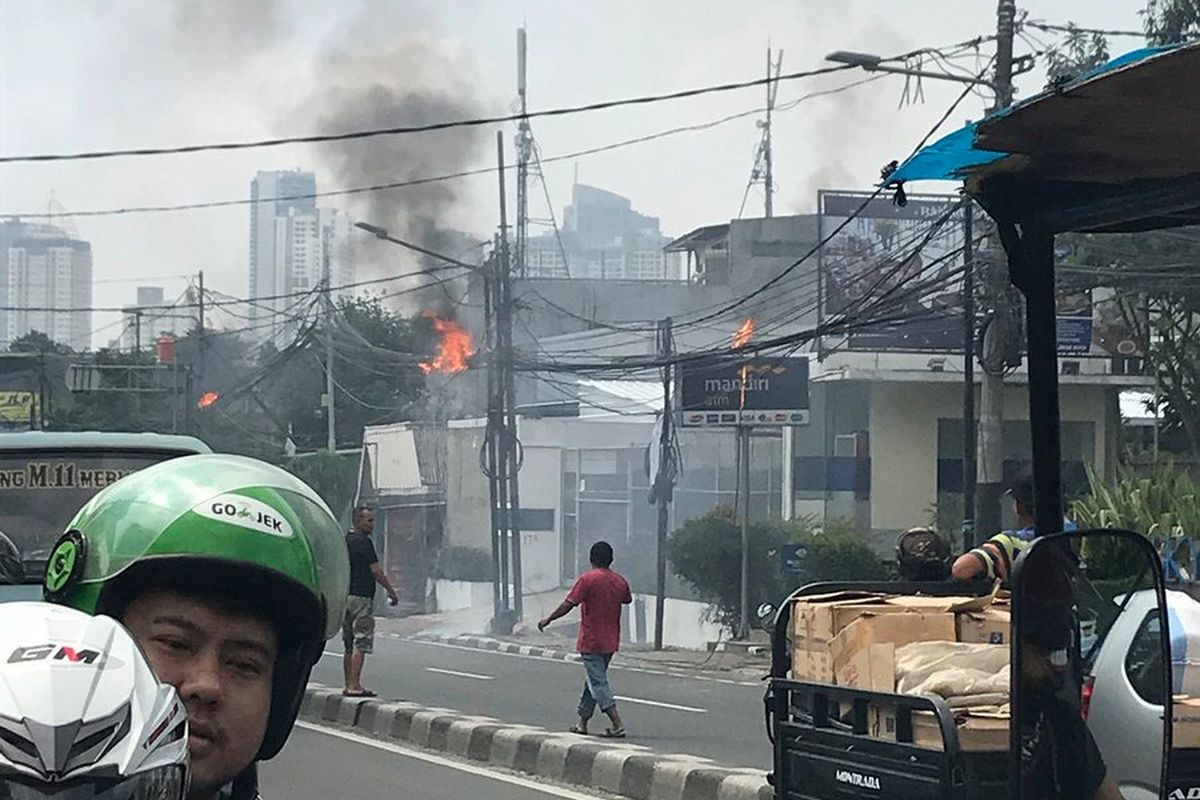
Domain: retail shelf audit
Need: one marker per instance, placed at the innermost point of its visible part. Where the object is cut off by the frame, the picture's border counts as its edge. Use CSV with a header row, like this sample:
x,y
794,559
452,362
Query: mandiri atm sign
x,y
745,391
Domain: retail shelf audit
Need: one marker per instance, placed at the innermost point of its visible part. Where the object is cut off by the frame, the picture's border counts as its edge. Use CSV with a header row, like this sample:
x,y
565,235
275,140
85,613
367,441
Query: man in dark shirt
x,y
600,592
358,626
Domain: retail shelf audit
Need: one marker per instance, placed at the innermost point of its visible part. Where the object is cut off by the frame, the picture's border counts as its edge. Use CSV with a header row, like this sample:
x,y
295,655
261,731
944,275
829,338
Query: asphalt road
x,y
669,713
321,765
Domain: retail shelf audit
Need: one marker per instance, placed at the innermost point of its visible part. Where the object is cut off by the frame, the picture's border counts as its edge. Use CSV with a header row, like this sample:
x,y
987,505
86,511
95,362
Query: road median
x,y
621,768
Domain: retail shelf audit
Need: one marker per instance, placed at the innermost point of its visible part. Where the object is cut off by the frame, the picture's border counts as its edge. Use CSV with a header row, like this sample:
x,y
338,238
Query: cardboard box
x,y
978,729
819,618
812,665
989,626
890,628
872,668
1185,731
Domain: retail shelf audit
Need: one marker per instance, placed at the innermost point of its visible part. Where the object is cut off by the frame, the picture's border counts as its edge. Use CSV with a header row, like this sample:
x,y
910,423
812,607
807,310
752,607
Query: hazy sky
x,y
78,75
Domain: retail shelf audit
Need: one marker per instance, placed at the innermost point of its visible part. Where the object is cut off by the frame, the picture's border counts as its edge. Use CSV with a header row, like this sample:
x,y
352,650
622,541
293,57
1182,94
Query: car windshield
x,y
40,491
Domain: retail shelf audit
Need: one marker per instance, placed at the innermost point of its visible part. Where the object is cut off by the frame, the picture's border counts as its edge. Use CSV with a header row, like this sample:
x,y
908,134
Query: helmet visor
x,y
164,783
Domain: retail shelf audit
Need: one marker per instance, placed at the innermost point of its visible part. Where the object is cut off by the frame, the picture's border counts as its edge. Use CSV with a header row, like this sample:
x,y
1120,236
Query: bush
x,y
836,551
460,563
706,553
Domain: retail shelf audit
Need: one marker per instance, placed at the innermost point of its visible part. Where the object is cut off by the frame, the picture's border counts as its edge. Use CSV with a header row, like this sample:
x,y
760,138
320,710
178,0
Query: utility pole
x,y
524,151
991,413
743,452
331,412
491,446
137,330
969,444
510,453
664,481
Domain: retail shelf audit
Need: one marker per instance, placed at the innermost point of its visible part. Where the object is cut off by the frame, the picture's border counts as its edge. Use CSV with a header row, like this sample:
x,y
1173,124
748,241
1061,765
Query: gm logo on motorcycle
x,y
54,652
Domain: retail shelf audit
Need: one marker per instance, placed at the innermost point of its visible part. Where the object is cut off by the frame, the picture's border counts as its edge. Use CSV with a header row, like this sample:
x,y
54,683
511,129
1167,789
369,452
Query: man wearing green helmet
x,y
231,574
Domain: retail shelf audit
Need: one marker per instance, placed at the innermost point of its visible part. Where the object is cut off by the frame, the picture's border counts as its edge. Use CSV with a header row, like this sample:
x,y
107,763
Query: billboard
x,y
761,390
878,257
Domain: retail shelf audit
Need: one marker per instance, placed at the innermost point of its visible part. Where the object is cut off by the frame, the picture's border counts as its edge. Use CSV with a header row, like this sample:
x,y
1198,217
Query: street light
x,y
873,63
382,233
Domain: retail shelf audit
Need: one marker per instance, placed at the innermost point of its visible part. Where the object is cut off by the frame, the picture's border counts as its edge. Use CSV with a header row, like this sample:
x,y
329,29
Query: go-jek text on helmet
x,y
246,533
81,713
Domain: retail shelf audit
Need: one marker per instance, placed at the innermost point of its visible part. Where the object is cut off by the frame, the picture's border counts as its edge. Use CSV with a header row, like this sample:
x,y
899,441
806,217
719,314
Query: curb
x,y
498,646
624,769
502,646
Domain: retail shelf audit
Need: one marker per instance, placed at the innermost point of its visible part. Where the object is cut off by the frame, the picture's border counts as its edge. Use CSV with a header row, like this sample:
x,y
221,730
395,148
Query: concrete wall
x,y
904,439
468,518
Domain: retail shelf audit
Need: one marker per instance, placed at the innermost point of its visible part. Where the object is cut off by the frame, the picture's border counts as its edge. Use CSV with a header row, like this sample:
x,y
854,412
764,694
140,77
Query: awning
x,y
1113,150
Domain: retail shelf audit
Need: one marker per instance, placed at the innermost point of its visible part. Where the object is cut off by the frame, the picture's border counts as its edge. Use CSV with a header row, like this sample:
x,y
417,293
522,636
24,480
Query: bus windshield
x,y
41,489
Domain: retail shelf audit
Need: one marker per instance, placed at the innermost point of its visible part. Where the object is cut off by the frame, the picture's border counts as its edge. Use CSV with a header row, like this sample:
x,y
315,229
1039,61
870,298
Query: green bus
x,y
46,476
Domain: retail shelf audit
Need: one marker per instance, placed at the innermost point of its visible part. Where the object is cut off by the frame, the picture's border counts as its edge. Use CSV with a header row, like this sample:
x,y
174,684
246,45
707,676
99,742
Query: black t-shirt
x,y
362,556
1059,757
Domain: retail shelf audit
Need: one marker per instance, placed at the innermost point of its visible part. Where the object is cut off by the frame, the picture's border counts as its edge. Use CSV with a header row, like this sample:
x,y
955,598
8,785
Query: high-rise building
x,y
49,272
292,244
284,241
602,237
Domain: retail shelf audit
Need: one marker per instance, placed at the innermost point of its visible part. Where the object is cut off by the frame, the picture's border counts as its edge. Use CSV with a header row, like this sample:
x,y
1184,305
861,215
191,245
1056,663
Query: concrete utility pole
x,y
664,482
743,452
510,449
990,486
331,415
969,471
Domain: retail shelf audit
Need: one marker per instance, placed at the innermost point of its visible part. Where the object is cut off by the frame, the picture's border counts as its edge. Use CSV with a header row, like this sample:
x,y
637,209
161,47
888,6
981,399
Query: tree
x,y
1075,55
1171,21
37,342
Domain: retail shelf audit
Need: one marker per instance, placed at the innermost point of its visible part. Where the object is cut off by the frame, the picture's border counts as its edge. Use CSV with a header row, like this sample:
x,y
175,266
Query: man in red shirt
x,y
601,592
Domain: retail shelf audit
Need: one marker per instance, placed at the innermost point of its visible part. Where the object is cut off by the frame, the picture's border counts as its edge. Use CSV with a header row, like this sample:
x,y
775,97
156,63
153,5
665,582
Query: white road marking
x,y
429,758
458,674
657,704
574,664
332,654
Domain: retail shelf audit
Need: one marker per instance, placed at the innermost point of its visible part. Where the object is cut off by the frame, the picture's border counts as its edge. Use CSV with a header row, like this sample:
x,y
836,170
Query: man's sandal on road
x,y
363,693
613,733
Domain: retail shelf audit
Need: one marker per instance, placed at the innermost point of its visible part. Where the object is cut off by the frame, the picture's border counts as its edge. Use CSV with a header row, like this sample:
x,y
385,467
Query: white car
x,y
1123,689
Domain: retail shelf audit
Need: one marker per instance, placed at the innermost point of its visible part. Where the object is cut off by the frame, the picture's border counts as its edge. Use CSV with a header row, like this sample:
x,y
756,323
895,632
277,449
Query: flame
x,y
742,337
454,348
207,399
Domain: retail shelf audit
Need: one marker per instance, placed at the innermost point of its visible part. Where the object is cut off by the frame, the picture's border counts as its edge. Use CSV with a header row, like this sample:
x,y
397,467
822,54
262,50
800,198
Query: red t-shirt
x,y
600,593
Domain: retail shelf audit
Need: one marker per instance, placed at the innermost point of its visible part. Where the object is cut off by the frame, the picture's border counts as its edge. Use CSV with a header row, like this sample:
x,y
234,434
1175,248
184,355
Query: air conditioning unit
x,y
845,445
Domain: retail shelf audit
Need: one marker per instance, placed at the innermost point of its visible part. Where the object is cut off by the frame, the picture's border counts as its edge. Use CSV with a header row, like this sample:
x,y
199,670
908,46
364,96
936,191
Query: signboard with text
x,y
744,391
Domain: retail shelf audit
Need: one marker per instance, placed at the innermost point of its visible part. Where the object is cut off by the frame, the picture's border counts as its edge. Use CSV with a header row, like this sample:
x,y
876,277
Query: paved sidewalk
x,y
468,628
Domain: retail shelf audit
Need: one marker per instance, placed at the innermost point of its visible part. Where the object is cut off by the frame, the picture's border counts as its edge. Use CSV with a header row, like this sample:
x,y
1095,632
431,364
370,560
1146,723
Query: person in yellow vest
x,y
994,558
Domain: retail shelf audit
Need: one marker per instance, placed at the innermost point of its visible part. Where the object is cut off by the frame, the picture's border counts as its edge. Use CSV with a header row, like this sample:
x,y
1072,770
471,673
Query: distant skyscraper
x,y
292,244
285,244
47,270
602,237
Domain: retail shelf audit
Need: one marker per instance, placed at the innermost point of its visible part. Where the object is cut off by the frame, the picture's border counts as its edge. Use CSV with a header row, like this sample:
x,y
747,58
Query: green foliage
x,y
333,476
706,554
459,563
1167,502
1171,21
37,342
1075,55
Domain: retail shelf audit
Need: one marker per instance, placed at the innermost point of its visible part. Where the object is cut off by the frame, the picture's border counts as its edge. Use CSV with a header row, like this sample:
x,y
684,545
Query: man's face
x,y
366,522
221,664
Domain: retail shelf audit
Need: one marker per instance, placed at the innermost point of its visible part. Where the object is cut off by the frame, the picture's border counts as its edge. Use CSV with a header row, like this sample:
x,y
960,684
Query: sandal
x,y
577,729
611,733
363,693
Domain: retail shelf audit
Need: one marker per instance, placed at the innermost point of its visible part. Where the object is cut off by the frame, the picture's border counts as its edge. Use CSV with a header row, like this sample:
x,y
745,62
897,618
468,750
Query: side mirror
x,y
12,564
1091,655
765,616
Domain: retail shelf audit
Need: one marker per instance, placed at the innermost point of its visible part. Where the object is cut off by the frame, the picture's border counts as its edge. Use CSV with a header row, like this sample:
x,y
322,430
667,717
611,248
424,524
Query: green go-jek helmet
x,y
221,526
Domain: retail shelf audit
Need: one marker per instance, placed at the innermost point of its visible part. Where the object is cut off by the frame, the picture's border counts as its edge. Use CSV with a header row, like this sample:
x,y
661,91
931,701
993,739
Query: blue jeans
x,y
596,691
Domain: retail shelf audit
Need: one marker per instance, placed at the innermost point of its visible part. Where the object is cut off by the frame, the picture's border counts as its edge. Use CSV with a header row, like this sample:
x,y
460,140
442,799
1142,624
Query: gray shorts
x,y
358,624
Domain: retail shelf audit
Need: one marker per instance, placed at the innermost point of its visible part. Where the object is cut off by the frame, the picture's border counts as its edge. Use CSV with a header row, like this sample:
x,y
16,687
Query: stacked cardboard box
x,y
850,639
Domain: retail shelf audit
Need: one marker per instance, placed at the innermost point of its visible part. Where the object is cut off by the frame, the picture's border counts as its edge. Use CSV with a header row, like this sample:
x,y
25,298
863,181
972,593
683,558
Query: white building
x,y
48,272
292,243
